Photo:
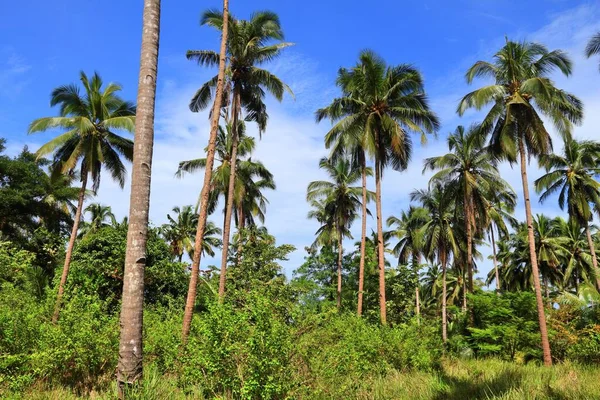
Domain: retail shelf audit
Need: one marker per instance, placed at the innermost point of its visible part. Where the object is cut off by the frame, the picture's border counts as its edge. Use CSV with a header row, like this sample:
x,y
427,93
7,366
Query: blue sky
x,y
45,44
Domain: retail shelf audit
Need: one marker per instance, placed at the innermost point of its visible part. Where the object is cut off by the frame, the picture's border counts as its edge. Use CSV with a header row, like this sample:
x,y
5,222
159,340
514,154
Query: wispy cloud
x,y
13,72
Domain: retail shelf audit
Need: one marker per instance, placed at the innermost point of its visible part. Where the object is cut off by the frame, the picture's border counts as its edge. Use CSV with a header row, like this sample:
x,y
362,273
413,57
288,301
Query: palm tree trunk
x,y
204,194
67,264
363,235
235,105
241,226
417,262
444,317
464,295
380,247
495,260
593,252
469,234
339,270
533,255
130,365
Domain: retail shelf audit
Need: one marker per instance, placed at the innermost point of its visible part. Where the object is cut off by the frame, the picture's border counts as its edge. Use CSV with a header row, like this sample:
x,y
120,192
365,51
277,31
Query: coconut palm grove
x,y
277,229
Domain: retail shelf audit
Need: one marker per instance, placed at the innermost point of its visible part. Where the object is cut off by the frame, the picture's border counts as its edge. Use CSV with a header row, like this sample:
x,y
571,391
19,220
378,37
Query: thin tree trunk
x,y
417,261
593,252
495,260
241,226
444,317
363,235
339,271
469,234
533,255
204,194
130,365
464,295
67,264
380,247
235,106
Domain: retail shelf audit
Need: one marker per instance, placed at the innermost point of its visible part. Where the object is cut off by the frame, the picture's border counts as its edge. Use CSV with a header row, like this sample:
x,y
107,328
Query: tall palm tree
x,y
341,202
408,230
572,176
577,263
179,233
593,46
99,215
205,192
89,142
249,46
379,107
469,173
130,365
521,92
439,233
58,201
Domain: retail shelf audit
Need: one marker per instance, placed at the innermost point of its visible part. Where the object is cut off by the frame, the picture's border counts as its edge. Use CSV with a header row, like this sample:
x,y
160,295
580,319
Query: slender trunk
x,y
130,365
469,234
593,252
67,264
235,106
339,270
363,235
380,248
417,261
444,317
464,295
204,194
495,260
534,263
241,226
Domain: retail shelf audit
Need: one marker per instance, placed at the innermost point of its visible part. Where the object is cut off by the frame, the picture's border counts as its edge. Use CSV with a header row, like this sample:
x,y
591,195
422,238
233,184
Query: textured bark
x,y
129,368
495,260
210,160
339,271
593,252
235,106
468,210
363,235
444,316
534,263
67,264
380,247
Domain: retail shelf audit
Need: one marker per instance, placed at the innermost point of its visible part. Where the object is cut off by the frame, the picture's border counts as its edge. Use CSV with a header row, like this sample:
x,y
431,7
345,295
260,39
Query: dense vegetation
x,y
401,314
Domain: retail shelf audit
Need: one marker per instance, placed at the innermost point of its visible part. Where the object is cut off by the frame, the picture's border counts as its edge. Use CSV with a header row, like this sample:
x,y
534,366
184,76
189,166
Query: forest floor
x,y
456,380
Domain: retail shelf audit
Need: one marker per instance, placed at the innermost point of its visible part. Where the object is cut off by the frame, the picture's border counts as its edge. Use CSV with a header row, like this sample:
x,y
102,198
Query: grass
x,y
456,380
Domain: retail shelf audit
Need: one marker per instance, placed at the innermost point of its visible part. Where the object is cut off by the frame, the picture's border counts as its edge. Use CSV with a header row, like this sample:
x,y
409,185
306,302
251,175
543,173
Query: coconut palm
x,y
58,202
339,205
577,261
408,230
572,175
100,216
441,242
593,46
250,44
498,212
469,173
89,143
205,192
379,108
521,93
180,230
130,365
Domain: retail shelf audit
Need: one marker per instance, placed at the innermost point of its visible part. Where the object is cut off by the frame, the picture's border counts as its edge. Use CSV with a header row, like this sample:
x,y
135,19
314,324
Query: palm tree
x,y
339,207
58,202
572,176
593,46
379,107
577,263
130,366
521,91
439,233
248,46
180,231
408,230
205,192
89,142
99,214
469,173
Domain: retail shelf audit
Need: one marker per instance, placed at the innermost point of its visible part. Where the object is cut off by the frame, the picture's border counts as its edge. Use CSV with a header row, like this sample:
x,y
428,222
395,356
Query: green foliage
x,y
98,260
